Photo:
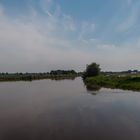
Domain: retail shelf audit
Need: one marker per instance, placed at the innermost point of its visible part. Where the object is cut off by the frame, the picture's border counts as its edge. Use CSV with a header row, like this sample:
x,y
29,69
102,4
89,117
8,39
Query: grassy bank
x,y
121,82
30,77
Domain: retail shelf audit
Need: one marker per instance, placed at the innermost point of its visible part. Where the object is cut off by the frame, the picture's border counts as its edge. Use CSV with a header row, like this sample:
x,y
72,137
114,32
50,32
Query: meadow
x,y
125,81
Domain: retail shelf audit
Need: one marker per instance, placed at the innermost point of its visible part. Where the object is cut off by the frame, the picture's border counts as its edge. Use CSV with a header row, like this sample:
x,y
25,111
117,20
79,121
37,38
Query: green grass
x,y
125,82
30,77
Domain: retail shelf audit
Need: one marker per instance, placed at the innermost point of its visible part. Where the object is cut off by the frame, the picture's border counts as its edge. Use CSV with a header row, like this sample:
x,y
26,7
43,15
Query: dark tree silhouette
x,y
92,70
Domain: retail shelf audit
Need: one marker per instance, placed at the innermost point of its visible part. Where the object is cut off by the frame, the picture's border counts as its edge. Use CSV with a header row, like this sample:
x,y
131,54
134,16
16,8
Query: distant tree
x,y
92,70
62,72
135,71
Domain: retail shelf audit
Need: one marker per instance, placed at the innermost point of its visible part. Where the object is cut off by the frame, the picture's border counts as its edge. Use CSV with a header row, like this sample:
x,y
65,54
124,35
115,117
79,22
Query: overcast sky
x,y
41,35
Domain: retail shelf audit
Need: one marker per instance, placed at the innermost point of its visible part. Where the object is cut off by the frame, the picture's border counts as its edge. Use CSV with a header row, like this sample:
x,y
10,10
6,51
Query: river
x,y
66,110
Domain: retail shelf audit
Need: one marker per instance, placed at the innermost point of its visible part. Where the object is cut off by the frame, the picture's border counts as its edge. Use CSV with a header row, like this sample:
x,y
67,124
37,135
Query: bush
x,y
92,70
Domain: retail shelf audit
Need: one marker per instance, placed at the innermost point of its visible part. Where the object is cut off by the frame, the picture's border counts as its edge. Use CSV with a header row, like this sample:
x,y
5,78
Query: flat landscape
x,y
69,69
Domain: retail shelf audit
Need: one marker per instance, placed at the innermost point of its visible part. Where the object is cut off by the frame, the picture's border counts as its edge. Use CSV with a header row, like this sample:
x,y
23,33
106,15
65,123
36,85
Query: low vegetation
x,y
128,82
124,81
93,78
56,75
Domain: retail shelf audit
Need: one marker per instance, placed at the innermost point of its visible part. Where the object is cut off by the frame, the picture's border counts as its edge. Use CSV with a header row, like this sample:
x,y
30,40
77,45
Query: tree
x,y
92,70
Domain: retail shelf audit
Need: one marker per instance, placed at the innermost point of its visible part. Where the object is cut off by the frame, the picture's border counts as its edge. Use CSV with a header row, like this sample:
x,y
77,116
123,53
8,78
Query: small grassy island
x,y
94,79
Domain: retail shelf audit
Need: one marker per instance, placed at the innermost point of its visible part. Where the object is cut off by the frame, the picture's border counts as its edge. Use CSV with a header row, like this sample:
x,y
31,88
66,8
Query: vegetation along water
x,y
94,79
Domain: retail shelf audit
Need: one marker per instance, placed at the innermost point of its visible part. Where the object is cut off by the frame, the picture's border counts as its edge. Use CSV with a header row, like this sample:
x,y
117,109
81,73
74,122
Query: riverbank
x,y
31,77
108,81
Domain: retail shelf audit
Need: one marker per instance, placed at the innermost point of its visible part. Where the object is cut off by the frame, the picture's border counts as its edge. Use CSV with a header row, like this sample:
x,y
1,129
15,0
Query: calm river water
x,y
65,110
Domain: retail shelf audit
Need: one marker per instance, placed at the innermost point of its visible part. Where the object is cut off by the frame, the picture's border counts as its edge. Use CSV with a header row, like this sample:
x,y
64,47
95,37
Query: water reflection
x,y
93,92
62,78
93,87
50,110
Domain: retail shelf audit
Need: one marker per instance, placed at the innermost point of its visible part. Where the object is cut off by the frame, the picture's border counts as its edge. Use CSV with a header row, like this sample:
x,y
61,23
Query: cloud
x,y
46,5
28,46
87,29
131,19
38,43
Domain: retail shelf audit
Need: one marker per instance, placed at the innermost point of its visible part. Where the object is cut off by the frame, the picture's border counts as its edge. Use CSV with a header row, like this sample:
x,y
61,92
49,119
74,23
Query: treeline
x,y
122,72
63,72
54,74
